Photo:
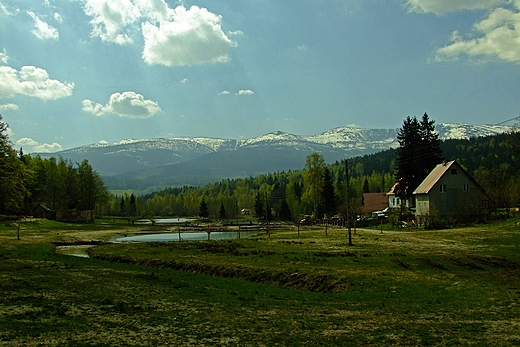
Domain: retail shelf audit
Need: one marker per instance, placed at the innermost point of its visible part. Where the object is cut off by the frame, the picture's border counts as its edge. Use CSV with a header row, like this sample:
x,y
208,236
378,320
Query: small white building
x,y
394,201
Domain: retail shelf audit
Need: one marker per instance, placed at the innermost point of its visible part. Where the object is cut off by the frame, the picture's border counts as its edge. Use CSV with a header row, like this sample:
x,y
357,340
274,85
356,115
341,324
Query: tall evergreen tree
x,y
203,209
327,194
366,188
13,175
122,206
285,212
430,151
222,213
133,205
259,206
407,157
418,153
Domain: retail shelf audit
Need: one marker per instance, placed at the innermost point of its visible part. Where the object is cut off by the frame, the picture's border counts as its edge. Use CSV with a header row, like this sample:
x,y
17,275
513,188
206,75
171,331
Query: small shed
x,y
42,211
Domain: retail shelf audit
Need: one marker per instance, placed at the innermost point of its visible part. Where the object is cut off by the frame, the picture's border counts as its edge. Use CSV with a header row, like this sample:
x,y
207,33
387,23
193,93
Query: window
x,y
465,187
485,204
453,171
443,188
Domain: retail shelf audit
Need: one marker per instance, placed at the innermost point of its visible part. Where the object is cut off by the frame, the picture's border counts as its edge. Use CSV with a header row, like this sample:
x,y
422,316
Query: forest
x,y
59,184
320,188
492,161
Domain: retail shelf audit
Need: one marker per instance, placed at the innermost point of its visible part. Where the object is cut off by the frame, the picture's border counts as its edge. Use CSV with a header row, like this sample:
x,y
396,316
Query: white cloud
x,y
4,58
47,148
112,19
57,18
4,10
441,7
245,92
127,104
37,147
224,92
155,10
500,38
194,36
236,33
184,81
6,107
172,37
43,30
32,81
26,141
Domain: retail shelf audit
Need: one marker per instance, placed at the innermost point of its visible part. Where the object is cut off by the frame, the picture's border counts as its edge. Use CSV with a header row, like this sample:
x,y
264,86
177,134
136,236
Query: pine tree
x,y
203,209
222,212
122,206
418,153
430,152
285,212
13,175
327,194
407,157
133,205
366,188
259,206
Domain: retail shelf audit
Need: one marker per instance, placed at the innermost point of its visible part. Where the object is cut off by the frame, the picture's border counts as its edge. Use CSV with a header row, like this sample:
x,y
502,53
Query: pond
x,y
166,221
82,250
192,236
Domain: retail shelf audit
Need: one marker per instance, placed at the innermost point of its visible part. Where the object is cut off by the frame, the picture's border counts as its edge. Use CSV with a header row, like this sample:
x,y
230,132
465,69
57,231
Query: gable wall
x,y
459,194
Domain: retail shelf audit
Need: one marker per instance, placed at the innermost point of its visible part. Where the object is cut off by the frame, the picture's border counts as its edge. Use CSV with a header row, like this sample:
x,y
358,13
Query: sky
x,y
78,72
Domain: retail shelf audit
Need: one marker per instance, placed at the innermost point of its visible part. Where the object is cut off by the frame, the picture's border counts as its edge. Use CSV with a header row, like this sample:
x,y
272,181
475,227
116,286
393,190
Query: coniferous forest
x,y
320,188
59,184
492,161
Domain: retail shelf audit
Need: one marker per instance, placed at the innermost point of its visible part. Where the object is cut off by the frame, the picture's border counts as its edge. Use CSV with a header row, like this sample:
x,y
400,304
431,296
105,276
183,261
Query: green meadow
x,y
399,288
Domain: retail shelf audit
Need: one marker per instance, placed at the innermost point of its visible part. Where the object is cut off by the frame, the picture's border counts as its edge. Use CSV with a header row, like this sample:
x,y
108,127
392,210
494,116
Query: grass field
x,y
438,288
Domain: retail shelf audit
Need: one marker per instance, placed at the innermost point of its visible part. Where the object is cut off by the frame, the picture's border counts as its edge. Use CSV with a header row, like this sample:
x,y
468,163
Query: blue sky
x,y
76,72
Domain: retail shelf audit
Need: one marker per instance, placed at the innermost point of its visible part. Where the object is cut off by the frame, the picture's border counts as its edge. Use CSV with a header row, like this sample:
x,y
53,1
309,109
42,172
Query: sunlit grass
x,y
449,287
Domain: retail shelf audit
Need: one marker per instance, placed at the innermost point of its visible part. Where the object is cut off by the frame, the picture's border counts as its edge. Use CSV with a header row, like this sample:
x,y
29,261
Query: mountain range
x,y
147,164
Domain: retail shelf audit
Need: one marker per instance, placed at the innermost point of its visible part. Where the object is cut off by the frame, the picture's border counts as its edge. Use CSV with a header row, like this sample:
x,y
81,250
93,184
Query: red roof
x,y
374,202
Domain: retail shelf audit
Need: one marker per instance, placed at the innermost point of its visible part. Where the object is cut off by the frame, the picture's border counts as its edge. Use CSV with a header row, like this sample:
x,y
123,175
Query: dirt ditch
x,y
284,279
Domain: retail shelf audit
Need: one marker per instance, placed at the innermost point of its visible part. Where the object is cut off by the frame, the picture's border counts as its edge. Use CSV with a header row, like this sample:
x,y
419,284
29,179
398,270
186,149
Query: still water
x,y
197,236
81,250
166,221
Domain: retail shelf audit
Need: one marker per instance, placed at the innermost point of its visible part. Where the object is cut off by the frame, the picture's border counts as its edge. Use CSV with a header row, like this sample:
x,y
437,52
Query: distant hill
x,y
157,163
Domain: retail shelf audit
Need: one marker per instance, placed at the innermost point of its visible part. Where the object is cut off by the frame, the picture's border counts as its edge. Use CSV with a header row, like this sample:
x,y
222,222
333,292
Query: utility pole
x,y
348,204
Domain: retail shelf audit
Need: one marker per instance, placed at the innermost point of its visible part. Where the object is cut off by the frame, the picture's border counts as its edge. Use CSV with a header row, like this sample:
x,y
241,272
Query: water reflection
x,y
196,236
74,250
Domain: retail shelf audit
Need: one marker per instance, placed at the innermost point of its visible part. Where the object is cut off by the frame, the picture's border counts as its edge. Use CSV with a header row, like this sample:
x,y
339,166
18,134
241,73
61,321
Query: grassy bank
x,y
451,287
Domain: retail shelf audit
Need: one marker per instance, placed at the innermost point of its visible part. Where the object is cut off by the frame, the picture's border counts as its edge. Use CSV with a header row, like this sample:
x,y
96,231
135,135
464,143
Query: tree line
x,y
58,184
321,188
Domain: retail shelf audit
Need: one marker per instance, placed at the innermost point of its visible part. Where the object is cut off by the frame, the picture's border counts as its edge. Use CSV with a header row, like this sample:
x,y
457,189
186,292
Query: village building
x,y
394,202
374,202
42,211
449,191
